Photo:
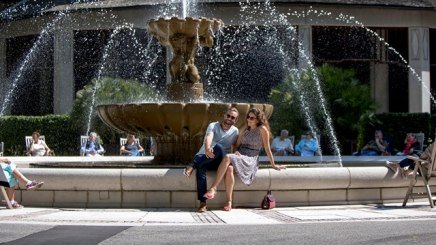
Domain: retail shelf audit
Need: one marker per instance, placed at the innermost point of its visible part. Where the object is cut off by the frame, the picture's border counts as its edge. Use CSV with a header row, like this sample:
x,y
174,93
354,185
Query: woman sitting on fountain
x,y
131,147
245,160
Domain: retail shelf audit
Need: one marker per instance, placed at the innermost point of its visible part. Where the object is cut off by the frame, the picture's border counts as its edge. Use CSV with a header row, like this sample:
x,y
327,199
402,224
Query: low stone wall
x,y
168,187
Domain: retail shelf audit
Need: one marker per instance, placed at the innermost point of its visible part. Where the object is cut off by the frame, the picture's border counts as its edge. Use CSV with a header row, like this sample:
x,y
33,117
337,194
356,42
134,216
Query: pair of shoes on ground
x,y
203,208
188,171
33,185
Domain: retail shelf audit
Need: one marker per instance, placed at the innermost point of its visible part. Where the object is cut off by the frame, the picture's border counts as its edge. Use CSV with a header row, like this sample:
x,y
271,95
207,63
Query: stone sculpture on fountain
x,y
177,125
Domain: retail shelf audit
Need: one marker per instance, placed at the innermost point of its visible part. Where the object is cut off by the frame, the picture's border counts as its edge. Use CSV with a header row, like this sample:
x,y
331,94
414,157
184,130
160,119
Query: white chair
x,y
2,148
292,138
427,173
420,138
4,183
83,139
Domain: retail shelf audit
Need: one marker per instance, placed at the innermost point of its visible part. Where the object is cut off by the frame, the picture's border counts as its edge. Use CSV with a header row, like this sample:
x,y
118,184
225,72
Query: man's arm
x,y
207,145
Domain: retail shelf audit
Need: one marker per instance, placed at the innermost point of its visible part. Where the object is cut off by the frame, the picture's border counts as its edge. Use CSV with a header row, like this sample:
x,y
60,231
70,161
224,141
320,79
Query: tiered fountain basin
x,y
178,128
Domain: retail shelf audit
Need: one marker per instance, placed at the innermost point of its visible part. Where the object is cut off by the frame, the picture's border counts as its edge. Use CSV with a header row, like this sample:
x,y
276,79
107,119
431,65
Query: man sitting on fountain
x,y
219,139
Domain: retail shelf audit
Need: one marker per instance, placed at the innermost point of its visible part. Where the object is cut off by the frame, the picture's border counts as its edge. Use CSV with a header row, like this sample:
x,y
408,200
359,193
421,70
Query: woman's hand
x,y
279,167
237,153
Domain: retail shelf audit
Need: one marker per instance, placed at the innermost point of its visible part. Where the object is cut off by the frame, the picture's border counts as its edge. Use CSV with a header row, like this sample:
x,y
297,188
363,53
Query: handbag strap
x,y
269,186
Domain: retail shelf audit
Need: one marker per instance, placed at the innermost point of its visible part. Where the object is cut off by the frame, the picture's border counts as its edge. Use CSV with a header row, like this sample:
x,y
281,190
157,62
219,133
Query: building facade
x,y
401,72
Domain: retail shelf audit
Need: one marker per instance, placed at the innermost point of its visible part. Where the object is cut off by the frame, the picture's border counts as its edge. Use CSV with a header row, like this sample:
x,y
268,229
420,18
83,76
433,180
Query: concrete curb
x,y
168,187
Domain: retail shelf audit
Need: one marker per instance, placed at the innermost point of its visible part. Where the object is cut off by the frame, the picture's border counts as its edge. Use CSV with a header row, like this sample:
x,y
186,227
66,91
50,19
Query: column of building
x,y
419,77
63,77
305,40
379,74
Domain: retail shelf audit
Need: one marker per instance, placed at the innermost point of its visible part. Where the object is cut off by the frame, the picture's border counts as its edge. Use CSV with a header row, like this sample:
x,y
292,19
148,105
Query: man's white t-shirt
x,y
225,138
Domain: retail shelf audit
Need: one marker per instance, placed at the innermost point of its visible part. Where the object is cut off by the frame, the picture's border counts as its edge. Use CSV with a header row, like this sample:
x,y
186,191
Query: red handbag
x,y
268,201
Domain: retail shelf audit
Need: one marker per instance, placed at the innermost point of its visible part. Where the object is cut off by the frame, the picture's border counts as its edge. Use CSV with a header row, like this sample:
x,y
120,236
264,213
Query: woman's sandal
x,y
210,194
188,171
228,206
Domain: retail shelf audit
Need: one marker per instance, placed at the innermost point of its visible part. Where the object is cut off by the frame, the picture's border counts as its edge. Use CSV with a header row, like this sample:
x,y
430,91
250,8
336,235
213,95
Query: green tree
x,y
346,99
106,91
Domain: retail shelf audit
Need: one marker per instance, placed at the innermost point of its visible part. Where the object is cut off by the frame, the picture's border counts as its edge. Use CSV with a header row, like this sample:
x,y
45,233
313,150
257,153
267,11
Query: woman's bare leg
x,y
11,193
221,172
229,180
19,176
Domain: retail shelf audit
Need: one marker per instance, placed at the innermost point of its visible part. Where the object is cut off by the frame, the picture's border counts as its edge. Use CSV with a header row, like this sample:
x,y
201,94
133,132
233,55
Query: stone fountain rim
x,y
183,103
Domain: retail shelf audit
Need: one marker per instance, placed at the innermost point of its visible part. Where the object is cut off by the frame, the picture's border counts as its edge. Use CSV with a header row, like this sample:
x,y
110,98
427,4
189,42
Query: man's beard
x,y
226,125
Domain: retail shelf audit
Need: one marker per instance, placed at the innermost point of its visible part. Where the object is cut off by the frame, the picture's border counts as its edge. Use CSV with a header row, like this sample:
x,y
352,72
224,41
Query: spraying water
x,y
28,59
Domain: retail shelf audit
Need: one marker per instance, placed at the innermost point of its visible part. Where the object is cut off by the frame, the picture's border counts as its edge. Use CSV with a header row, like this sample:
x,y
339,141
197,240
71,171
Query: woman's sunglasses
x,y
250,117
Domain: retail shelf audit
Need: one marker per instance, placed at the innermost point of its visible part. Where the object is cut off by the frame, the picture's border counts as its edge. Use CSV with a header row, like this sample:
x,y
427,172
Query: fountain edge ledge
x,y
168,187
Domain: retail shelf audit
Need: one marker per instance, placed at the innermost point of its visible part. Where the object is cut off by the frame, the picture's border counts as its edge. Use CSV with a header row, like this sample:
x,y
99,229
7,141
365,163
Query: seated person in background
x,y
282,146
37,146
308,146
13,175
92,147
411,145
131,148
375,147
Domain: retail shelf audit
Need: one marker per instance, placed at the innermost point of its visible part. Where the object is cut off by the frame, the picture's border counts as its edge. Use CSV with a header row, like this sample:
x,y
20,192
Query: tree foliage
x,y
346,100
106,91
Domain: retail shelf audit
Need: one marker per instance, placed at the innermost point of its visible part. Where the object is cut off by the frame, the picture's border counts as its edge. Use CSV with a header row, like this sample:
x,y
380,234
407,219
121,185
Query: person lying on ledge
x,y
13,177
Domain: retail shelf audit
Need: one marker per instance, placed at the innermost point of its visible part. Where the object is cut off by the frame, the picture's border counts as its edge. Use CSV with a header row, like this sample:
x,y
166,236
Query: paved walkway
x,y
171,216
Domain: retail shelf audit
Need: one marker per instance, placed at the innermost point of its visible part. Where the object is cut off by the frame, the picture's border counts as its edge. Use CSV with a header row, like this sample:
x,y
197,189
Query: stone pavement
x,y
174,216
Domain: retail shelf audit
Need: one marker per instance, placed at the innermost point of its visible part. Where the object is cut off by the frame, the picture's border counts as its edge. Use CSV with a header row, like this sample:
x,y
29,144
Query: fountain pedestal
x,y
177,126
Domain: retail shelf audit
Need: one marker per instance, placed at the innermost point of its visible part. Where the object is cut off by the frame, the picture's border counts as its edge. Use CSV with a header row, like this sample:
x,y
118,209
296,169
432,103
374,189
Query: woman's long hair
x,y
261,118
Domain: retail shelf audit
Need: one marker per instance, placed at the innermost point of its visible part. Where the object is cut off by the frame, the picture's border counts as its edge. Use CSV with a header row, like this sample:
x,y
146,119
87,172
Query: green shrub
x,y
60,134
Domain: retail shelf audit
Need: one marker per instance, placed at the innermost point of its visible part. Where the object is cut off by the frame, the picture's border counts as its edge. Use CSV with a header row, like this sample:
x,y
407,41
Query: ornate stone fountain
x,y
177,126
